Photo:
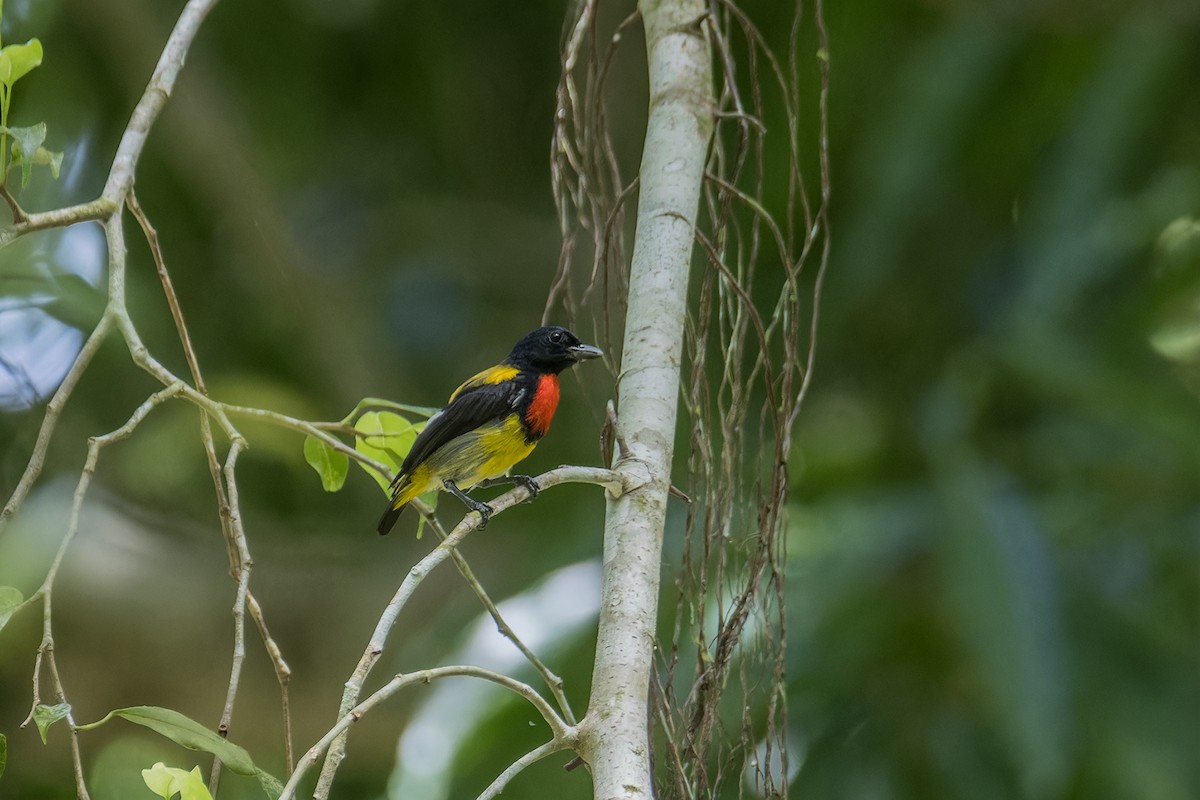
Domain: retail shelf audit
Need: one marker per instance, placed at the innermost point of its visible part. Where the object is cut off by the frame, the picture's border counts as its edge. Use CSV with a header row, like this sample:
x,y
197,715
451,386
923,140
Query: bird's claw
x,y
529,483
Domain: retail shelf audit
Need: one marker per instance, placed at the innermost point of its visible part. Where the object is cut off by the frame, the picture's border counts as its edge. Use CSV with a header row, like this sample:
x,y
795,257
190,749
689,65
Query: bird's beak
x,y
582,352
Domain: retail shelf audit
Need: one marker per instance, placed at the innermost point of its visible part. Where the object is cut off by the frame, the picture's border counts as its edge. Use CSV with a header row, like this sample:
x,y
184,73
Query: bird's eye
x,y
556,336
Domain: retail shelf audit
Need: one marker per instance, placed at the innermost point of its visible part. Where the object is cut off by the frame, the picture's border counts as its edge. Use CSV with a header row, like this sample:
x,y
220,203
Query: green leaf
x,y
379,404
330,464
50,158
25,145
10,598
5,68
188,733
3,753
166,782
28,138
387,438
44,716
22,59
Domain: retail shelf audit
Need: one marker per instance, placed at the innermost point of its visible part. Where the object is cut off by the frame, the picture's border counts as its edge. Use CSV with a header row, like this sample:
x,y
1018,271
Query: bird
x,y
491,422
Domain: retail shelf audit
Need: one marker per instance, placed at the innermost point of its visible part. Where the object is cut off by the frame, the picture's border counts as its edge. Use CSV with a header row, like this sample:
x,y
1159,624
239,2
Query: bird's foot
x,y
529,483
485,511
524,480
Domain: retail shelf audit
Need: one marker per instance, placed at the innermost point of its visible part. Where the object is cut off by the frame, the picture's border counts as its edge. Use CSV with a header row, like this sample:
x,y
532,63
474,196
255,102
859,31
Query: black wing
x,y
467,411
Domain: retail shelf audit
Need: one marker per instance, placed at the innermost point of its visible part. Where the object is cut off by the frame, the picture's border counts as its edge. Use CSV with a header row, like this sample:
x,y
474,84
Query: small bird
x,y
492,421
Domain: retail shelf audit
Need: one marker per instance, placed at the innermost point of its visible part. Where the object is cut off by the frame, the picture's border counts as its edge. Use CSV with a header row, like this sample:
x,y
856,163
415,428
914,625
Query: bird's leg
x,y
525,480
485,511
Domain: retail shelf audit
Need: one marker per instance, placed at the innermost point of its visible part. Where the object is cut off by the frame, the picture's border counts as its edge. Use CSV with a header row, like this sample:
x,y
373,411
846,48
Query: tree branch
x,y
532,757
240,564
37,458
563,733
553,682
96,210
158,91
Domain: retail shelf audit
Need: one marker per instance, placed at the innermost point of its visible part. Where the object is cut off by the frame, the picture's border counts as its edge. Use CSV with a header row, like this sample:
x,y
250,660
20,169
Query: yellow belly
x,y
487,452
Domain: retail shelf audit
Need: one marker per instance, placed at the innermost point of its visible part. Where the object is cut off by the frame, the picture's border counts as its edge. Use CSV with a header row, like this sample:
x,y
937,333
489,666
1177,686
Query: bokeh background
x,y
994,557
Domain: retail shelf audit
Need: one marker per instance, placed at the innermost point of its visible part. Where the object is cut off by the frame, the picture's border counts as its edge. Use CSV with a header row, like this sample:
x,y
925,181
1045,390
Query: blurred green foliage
x,y
994,557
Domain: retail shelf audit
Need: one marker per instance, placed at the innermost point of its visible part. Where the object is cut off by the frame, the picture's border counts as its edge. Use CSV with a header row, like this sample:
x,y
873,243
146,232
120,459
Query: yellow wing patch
x,y
497,374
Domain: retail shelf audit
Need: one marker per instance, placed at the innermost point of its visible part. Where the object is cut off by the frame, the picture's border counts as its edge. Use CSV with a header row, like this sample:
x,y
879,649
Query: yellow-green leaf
x,y
44,716
26,142
10,598
187,732
50,158
385,437
166,782
22,59
330,464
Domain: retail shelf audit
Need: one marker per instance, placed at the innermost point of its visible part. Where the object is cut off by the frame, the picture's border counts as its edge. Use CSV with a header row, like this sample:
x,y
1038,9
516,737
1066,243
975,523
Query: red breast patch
x,y
543,405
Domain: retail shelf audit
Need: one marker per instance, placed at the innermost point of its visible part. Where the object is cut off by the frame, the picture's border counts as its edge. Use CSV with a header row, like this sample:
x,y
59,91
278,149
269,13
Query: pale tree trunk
x,y
614,737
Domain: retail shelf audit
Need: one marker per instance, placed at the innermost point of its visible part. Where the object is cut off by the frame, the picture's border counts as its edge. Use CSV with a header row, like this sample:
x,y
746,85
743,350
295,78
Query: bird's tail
x,y
388,520
400,500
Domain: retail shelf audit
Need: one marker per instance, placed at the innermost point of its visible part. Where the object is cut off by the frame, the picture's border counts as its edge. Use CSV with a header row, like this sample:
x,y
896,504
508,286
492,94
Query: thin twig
x,y
37,458
553,682
283,675
162,83
241,573
532,757
95,210
309,428
18,213
563,733
168,286
81,790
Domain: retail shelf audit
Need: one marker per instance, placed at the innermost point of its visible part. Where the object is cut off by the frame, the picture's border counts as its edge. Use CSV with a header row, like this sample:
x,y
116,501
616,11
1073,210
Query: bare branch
x,y
283,675
162,83
563,733
96,210
532,757
240,567
18,213
553,682
53,409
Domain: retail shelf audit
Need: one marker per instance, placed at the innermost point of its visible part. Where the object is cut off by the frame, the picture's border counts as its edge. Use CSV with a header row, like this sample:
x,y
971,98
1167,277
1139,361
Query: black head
x,y
550,349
